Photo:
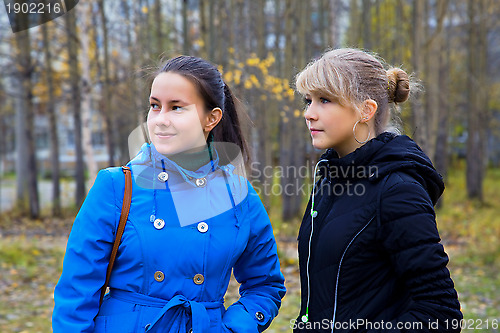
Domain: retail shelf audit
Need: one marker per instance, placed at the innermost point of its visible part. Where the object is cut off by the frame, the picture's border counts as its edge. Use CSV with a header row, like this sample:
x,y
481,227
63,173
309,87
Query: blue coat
x,y
185,232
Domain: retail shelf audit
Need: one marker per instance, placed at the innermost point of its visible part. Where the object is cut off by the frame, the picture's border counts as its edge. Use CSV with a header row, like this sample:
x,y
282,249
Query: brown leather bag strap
x,y
127,199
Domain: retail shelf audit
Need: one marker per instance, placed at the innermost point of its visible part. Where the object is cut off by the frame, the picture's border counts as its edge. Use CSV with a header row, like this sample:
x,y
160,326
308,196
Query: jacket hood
x,y
381,156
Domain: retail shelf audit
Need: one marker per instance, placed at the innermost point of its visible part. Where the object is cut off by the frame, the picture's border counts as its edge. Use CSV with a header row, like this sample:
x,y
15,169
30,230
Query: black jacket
x,y
376,262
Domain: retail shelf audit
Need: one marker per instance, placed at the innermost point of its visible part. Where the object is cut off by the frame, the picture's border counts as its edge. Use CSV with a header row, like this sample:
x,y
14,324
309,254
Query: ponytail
x,y
229,129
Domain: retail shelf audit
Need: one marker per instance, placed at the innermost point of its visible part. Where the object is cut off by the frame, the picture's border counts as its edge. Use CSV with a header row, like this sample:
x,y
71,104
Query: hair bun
x,y
399,85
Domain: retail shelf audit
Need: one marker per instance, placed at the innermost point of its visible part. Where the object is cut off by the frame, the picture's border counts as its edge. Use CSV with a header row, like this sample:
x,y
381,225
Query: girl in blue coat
x,y
193,219
369,250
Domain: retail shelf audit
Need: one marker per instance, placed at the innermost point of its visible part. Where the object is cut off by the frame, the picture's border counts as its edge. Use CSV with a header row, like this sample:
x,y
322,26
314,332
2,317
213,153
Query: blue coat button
x,y
202,227
159,224
198,279
159,276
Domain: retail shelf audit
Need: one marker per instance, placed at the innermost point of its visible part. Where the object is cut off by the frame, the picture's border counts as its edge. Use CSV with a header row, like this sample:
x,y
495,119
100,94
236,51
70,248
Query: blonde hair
x,y
351,76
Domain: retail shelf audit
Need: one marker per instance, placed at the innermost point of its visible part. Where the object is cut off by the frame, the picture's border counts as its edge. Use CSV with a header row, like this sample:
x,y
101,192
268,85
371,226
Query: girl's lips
x,y
164,135
315,131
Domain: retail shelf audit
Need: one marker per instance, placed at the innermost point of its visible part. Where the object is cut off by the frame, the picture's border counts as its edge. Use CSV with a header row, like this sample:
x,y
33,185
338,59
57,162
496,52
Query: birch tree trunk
x,y
286,121
110,130
418,112
53,132
354,34
159,28
26,154
185,27
262,115
477,98
86,97
211,30
75,104
22,200
366,22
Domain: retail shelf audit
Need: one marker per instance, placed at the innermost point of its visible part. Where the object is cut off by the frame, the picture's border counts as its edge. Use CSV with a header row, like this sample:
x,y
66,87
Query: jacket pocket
x,y
117,323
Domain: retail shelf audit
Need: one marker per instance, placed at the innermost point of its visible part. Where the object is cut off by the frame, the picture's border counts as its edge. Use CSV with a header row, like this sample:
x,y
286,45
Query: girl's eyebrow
x,y
174,101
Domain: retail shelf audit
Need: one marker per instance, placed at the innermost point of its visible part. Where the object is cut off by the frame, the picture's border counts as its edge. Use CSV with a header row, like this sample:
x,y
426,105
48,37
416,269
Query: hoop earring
x,y
354,133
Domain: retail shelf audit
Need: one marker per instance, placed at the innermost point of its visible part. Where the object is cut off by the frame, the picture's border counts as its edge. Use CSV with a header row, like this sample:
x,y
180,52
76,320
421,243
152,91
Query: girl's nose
x,y
309,113
163,118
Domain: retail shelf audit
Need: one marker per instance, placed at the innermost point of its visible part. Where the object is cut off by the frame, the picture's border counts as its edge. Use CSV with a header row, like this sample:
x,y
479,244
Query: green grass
x,y
471,232
29,270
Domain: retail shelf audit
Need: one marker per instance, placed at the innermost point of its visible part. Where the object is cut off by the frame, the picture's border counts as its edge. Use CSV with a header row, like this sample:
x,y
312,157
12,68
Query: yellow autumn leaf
x,y
254,81
228,77
252,61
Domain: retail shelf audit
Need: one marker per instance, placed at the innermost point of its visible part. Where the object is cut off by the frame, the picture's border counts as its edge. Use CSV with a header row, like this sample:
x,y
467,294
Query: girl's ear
x,y
369,109
213,118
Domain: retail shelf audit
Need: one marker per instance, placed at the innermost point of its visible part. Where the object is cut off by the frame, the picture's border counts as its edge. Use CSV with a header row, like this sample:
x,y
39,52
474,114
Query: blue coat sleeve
x,y
410,236
258,272
77,293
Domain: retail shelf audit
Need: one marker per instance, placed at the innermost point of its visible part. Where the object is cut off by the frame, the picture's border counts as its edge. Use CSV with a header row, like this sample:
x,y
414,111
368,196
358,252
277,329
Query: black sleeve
x,y
410,236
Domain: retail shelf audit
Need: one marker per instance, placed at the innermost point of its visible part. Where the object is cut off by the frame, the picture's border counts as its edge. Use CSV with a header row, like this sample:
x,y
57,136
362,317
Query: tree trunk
x,y
367,26
354,33
204,34
51,112
418,112
230,29
240,26
261,117
433,88
22,200
379,26
300,130
398,42
110,130
75,104
159,27
334,13
86,97
211,30
27,168
3,137
441,157
286,121
185,27
476,138
278,33
131,46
